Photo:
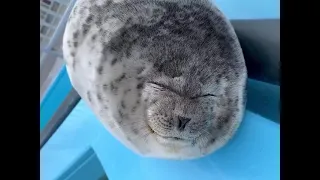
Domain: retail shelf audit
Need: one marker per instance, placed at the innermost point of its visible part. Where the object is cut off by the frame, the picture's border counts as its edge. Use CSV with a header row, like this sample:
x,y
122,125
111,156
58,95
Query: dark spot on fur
x,y
120,114
75,35
99,96
217,81
93,38
120,78
220,125
123,105
212,141
100,70
89,96
106,107
105,87
193,143
126,91
135,131
144,44
129,20
211,108
226,119
236,74
89,63
140,70
85,29
114,61
113,88
140,86
134,109
160,67
120,121
98,22
219,76
128,52
139,78
89,19
236,101
222,121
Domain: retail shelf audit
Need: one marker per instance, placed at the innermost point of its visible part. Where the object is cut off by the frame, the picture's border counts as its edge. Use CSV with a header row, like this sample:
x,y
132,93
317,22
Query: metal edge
x,y
59,116
56,94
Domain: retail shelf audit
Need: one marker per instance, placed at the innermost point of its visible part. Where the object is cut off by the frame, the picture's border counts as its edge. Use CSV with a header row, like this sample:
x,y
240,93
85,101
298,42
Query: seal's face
x,y
177,118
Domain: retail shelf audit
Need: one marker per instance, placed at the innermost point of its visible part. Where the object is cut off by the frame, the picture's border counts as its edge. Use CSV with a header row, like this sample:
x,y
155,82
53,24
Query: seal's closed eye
x,y
200,96
160,86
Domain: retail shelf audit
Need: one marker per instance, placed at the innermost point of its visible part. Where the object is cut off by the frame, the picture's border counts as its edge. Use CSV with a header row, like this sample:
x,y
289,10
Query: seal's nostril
x,y
182,122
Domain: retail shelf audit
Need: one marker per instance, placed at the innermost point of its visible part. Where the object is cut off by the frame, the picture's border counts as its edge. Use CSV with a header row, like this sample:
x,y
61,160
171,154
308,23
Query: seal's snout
x,y
182,122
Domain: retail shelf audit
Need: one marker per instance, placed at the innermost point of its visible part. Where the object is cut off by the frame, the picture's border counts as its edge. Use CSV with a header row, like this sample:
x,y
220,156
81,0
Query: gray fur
x,y
166,77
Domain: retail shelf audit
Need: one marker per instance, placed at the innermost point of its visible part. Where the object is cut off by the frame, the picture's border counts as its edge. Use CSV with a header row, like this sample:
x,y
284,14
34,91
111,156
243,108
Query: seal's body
x,y
165,77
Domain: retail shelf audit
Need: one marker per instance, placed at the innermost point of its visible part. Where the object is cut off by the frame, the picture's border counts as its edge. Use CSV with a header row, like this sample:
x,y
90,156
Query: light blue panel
x,y
253,154
57,92
86,167
250,9
69,142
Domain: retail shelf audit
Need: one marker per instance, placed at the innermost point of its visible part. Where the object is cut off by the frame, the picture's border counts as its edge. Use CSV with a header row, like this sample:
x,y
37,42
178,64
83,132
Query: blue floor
x,y
253,154
81,129
71,140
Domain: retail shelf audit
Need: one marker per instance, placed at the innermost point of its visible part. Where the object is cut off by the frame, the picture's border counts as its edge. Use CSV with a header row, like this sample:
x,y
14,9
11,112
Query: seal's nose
x,y
182,122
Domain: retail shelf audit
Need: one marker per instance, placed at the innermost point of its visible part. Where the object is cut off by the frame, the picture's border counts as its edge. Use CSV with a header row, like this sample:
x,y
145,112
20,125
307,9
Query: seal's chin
x,y
170,140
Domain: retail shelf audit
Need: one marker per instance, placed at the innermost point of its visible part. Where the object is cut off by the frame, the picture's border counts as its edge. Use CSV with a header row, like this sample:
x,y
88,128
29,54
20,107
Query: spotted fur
x,y
165,77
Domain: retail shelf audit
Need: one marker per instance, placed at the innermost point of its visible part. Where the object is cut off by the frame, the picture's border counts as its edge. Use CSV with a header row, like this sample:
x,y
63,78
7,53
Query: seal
x,y
166,77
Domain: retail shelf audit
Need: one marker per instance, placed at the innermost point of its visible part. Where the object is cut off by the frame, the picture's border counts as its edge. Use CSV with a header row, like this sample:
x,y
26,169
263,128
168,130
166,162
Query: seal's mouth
x,y
168,138
172,138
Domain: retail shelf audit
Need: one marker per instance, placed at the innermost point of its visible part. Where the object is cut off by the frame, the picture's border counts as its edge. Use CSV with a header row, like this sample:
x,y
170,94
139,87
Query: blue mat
x,y
253,154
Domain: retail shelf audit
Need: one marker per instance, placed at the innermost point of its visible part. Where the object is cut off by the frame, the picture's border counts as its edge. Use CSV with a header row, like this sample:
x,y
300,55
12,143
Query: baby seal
x,y
166,77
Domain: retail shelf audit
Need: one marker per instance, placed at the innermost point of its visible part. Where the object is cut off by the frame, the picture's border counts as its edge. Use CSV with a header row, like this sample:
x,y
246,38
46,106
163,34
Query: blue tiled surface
x,y
252,154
